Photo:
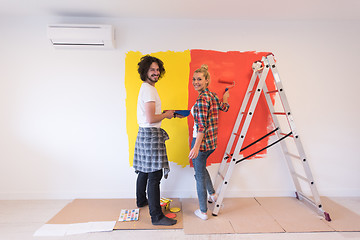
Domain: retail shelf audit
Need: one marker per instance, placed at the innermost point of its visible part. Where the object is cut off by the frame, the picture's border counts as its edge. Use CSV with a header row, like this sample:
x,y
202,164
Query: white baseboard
x,y
175,194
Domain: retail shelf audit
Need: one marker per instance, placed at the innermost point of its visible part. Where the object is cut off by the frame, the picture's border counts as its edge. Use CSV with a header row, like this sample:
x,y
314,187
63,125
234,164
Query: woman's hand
x,y
194,152
226,96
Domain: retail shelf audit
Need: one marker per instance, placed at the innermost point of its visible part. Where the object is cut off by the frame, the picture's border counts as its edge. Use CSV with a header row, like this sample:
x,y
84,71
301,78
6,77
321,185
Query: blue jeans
x,y
202,177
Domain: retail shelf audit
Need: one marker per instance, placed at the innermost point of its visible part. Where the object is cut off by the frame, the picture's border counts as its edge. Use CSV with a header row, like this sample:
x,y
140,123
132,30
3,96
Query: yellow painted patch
x,y
173,92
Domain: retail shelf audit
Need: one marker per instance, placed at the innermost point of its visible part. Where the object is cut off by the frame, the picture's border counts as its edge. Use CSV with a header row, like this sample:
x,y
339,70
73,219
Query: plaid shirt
x,y
150,150
206,115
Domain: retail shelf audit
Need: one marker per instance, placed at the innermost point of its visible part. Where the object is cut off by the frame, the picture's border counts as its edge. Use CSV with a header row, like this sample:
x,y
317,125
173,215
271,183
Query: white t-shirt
x,y
147,93
194,127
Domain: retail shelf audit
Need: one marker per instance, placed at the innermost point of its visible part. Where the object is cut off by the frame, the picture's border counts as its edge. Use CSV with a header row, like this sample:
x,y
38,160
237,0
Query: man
x,y
150,156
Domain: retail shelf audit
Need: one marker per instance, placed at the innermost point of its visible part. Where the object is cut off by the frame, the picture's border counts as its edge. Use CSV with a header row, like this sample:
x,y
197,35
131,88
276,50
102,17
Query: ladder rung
x,y
293,155
302,177
279,113
236,134
274,91
253,91
284,134
221,175
315,205
260,69
302,196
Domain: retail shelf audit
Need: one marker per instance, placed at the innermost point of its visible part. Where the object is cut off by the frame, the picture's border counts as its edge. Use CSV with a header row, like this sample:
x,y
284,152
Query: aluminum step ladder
x,y
300,172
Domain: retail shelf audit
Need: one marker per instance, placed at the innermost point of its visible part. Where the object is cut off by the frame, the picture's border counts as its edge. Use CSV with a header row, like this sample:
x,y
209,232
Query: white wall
x,y
62,112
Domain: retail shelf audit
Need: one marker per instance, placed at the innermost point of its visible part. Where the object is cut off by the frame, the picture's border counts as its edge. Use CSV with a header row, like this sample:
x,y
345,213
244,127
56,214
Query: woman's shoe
x,y
201,215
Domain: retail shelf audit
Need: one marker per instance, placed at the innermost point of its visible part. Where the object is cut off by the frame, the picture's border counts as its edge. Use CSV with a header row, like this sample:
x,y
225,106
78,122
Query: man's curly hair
x,y
145,64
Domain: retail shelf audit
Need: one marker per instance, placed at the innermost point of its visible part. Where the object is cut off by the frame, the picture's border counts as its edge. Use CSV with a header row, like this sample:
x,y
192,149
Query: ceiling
x,y
187,9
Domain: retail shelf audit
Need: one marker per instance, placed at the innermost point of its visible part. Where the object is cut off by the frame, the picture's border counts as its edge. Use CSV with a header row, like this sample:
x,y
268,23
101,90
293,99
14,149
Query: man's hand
x,y
169,114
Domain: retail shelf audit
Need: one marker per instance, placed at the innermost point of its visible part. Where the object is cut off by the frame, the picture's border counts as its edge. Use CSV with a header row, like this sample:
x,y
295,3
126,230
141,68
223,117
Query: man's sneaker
x,y
165,221
142,204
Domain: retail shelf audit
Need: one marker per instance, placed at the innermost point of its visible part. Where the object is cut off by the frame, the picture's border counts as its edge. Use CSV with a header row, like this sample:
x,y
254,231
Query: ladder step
x,y
284,134
314,204
274,91
302,177
302,196
219,174
227,156
279,113
293,155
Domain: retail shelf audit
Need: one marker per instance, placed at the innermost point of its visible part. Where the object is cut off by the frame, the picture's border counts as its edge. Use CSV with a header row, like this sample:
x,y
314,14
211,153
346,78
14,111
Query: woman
x,y
206,113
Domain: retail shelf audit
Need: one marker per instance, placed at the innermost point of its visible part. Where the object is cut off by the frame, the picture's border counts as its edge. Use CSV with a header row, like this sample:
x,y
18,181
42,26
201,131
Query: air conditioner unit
x,y
81,36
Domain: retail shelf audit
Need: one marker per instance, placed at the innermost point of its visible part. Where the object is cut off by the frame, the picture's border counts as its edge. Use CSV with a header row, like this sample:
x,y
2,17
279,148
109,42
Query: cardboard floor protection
x,y
342,219
237,215
292,215
145,220
194,225
268,215
246,215
97,210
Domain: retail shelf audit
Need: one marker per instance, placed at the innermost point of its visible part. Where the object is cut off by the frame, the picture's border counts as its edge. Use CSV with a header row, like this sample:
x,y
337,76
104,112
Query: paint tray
x,y
184,113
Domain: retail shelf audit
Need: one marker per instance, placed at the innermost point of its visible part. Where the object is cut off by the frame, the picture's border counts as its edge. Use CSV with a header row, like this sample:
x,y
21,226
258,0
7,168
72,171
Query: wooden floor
x,y
19,220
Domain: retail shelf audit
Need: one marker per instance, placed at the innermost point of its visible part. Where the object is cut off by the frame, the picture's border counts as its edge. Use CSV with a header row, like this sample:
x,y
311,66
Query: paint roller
x,y
232,84
257,66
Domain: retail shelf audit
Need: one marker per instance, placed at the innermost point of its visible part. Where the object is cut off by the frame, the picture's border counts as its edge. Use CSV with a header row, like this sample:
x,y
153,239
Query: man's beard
x,y
151,80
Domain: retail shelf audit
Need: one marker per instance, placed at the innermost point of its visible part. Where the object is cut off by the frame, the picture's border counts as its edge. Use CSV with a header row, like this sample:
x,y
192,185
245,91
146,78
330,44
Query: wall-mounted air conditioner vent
x,y
81,36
